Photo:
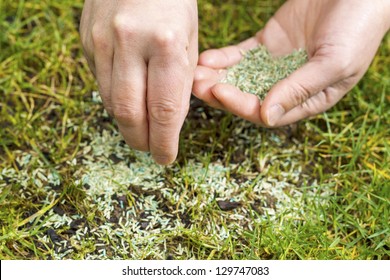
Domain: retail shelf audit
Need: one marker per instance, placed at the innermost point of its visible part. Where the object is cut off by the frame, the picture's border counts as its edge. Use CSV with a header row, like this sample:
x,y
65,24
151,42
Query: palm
x,y
327,30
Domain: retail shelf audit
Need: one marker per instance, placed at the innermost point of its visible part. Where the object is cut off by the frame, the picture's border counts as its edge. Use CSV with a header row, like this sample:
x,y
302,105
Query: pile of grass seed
x,y
258,70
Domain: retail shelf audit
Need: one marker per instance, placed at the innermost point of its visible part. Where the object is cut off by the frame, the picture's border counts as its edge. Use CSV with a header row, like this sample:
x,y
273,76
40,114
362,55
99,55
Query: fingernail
x,y
274,114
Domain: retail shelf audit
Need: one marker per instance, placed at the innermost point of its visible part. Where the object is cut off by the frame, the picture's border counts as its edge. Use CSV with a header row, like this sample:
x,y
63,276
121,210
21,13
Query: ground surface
x,y
70,188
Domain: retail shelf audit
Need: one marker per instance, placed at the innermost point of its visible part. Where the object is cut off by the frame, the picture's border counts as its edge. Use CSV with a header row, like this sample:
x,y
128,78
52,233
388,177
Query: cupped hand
x,y
143,54
341,39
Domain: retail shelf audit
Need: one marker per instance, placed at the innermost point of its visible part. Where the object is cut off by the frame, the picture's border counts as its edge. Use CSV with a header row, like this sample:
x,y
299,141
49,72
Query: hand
x,y
341,38
143,54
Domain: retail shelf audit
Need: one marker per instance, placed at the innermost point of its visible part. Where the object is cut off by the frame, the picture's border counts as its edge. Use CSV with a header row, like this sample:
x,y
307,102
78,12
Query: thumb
x,y
305,92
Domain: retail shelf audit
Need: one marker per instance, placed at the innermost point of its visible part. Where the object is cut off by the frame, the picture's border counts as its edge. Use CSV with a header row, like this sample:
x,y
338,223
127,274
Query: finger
x,y
227,56
205,78
167,77
103,71
315,76
128,95
316,104
244,105
193,55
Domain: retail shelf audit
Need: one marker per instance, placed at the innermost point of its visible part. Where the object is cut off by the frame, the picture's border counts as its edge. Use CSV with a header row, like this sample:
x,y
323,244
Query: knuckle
x,y
338,59
123,28
319,103
83,39
311,107
168,38
299,94
87,46
98,38
345,67
126,115
163,113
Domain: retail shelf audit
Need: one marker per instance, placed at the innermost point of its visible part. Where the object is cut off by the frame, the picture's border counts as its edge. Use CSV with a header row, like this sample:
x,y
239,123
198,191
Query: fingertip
x,y
249,43
205,79
228,95
164,159
273,115
138,144
203,72
221,58
227,56
244,105
273,107
209,58
203,90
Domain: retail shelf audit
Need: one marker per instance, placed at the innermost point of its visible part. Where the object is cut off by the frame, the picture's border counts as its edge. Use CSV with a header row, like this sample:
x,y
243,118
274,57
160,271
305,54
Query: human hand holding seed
x,y
340,37
143,54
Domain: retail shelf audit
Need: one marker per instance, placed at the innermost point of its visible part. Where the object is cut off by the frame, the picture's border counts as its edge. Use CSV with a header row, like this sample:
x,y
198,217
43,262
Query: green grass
x,y
317,190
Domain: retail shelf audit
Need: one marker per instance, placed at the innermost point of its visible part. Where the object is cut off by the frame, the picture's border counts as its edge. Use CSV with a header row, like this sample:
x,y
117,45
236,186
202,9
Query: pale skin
x,y
341,38
144,55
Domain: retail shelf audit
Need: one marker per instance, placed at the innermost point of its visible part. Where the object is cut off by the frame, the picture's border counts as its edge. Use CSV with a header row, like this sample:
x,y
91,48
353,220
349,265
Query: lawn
x,y
71,189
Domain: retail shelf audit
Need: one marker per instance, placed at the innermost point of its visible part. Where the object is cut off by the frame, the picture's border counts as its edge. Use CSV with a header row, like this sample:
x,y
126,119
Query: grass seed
x,y
258,70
